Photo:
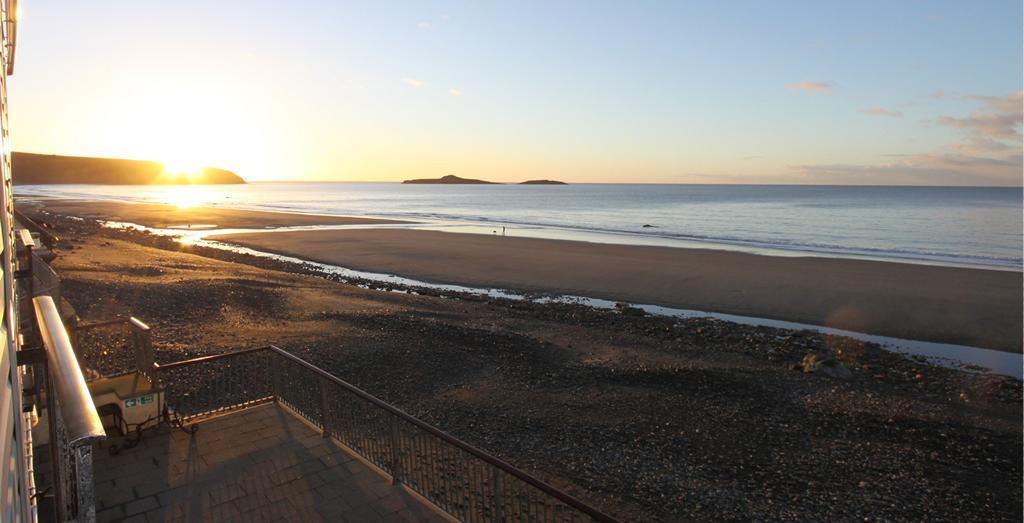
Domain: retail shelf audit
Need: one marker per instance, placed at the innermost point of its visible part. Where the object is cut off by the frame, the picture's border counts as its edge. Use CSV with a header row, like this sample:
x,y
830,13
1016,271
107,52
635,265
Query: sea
x,y
958,226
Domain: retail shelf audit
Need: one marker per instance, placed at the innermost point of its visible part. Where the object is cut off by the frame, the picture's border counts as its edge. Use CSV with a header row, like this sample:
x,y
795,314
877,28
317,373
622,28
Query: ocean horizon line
x,y
880,186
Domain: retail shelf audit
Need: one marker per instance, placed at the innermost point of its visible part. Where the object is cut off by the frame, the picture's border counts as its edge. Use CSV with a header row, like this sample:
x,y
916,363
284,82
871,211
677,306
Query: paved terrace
x,y
258,464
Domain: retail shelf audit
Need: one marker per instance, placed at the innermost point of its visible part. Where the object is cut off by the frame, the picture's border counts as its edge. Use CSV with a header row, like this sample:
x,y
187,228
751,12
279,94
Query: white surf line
x,y
571,233
960,357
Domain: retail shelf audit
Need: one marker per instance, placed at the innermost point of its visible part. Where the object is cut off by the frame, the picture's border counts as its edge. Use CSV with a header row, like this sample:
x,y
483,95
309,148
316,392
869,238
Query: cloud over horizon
x,y
990,154
1000,121
880,111
812,87
939,168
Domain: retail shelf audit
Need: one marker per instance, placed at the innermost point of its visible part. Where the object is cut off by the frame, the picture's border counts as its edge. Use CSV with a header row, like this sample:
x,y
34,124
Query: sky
x,y
878,93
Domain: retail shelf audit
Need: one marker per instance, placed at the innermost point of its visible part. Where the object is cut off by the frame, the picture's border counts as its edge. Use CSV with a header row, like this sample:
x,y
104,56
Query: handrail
x,y
96,324
139,339
11,33
26,238
46,236
569,500
131,320
79,412
206,359
137,323
444,436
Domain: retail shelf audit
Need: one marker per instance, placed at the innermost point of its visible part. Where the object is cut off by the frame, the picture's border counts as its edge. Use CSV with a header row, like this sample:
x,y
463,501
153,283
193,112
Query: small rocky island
x,y
451,179
542,182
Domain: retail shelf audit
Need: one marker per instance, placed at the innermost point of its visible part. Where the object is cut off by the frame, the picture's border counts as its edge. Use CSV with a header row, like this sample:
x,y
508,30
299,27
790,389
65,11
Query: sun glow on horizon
x,y
186,196
189,124
176,168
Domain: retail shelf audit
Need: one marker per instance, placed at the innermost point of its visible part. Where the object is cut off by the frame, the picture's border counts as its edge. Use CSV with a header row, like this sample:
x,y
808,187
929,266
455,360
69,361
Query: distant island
x,y
31,169
543,182
451,179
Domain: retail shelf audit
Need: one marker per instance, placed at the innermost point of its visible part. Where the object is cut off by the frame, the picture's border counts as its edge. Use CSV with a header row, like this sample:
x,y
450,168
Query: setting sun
x,y
190,170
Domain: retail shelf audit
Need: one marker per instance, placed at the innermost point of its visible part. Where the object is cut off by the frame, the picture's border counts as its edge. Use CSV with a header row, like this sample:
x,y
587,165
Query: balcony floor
x,y
258,464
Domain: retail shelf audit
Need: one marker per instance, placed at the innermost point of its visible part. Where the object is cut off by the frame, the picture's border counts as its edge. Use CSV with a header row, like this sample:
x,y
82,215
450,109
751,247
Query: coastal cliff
x,y
30,168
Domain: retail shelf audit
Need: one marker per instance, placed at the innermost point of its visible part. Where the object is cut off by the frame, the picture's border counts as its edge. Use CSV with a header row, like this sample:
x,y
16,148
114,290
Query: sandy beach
x,y
965,306
647,417
942,304
164,216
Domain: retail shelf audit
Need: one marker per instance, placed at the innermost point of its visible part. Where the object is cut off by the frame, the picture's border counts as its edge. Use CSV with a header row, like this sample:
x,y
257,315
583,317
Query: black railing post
x,y
396,451
275,371
323,407
142,346
499,497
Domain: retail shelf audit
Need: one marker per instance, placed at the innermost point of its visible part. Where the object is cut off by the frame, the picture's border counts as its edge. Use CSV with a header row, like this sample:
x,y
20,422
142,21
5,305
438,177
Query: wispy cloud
x,y
813,87
1012,103
412,82
978,145
880,111
426,26
989,154
1001,120
997,125
454,92
938,168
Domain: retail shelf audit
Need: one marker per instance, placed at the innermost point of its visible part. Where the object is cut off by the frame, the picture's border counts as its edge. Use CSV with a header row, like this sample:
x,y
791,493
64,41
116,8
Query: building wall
x,y
15,504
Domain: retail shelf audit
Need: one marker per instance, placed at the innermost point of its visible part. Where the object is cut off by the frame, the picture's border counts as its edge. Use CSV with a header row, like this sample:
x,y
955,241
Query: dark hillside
x,y
29,168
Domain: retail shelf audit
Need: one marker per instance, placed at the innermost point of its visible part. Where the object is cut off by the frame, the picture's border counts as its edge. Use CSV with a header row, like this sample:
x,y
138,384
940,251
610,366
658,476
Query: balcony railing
x,y
70,416
10,33
464,481
36,277
45,281
128,338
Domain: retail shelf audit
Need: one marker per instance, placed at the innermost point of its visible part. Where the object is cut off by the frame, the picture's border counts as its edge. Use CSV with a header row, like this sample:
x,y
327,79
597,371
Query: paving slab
x,y
258,464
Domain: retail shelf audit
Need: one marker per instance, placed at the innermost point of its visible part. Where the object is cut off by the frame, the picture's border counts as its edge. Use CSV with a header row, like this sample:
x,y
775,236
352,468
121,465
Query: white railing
x,y
71,416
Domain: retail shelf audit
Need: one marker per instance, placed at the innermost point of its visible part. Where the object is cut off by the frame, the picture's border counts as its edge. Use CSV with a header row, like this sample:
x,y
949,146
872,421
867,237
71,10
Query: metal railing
x,y
462,480
45,281
10,34
36,276
71,416
48,238
113,347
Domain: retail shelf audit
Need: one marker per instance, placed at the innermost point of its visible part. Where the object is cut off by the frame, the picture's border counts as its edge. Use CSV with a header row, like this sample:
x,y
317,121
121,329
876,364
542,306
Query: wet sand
x,y
164,216
964,306
941,304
